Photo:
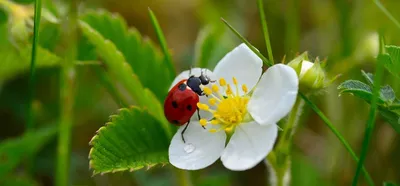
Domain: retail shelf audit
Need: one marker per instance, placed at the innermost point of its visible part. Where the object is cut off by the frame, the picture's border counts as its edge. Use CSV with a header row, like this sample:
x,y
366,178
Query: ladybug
x,y
181,101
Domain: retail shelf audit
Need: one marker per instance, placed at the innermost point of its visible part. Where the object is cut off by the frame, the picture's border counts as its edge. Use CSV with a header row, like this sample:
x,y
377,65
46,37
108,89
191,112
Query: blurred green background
x,y
342,31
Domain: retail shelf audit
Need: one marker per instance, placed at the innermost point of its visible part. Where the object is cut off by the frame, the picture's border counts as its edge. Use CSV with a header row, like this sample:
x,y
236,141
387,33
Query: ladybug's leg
x,y
183,131
198,115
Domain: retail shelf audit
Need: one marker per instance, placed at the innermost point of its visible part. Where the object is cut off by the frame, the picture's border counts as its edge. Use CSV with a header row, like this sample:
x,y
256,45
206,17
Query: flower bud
x,y
312,76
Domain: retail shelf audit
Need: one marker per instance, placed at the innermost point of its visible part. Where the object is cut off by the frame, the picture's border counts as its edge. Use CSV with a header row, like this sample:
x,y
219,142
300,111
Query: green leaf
x,y
391,117
392,62
387,94
15,62
132,140
368,76
13,151
358,89
147,62
120,69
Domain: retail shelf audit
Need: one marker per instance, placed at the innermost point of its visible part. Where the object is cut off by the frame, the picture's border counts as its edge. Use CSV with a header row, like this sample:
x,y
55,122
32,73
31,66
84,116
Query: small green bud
x,y
312,76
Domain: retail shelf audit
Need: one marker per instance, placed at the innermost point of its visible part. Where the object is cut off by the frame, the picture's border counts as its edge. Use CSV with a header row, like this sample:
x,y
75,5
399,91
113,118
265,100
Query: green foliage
x,y
13,180
132,140
387,101
149,65
15,62
392,64
13,151
389,184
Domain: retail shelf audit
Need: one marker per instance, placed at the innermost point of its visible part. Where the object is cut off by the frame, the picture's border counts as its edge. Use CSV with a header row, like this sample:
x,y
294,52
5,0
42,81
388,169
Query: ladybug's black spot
x,y
189,107
174,104
175,122
182,87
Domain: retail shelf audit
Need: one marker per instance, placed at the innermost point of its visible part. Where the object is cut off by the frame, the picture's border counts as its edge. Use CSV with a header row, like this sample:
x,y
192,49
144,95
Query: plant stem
x,y
252,48
280,160
162,41
67,90
386,12
183,177
32,79
265,30
337,134
372,112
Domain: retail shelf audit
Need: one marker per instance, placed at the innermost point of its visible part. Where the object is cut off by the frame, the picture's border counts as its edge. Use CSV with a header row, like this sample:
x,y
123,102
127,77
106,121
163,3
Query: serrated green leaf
x,y
13,151
13,180
358,89
387,94
146,60
120,69
14,62
132,140
392,62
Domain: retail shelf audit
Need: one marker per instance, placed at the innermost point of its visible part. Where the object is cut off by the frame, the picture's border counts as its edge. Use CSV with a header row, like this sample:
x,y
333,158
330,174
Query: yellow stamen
x,y
229,129
207,91
215,88
234,81
222,82
213,130
229,90
203,106
214,122
212,101
244,88
203,122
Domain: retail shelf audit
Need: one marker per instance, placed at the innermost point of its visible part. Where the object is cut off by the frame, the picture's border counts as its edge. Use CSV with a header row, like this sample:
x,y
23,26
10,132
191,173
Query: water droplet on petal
x,y
189,148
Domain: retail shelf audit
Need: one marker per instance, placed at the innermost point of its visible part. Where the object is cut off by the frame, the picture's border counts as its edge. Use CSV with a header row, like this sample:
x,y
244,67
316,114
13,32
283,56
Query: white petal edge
x,y
203,99
241,63
207,147
248,146
275,95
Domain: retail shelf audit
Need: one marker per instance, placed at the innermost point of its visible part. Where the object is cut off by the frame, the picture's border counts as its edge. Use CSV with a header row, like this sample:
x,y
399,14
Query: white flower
x,y
230,108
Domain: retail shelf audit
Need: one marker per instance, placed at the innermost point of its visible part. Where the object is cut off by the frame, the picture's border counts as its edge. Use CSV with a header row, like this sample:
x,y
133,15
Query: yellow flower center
x,y
230,110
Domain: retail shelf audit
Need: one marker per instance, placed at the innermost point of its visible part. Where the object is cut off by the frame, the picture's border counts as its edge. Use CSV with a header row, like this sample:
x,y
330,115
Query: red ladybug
x,y
182,99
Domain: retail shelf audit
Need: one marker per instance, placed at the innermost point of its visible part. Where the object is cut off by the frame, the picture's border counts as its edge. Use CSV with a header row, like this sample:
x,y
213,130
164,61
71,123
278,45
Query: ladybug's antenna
x,y
190,71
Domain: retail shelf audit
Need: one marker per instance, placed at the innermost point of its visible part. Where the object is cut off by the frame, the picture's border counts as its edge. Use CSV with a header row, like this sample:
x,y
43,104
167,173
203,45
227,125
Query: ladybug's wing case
x,y
180,105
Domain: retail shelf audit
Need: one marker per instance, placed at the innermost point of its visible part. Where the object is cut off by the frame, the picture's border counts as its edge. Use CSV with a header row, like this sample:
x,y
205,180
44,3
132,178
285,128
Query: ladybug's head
x,y
194,82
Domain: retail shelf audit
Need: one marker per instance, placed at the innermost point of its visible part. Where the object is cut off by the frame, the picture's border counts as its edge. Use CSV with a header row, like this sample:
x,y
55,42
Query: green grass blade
x,y
337,134
162,41
372,113
32,79
386,12
265,30
244,40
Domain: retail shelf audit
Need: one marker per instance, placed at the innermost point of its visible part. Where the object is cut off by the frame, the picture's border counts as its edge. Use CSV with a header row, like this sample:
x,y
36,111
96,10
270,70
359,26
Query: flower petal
x,y
201,149
275,95
242,64
249,145
194,71
203,99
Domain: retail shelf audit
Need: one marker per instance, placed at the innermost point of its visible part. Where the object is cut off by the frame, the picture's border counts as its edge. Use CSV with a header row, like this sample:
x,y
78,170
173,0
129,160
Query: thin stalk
x,y
386,12
337,134
265,30
162,41
372,113
252,48
32,77
67,92
183,177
